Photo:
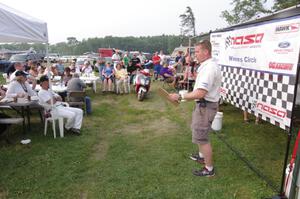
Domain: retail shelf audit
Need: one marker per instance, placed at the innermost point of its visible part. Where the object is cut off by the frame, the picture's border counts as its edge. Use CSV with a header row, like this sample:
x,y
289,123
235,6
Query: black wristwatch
x,y
179,98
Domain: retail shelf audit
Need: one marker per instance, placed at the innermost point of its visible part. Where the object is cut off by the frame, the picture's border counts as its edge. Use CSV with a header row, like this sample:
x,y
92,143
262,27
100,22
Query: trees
x,y
244,10
72,41
188,22
282,4
167,43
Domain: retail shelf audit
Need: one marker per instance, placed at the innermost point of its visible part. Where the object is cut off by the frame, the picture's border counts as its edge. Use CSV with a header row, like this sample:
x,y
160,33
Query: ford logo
x,y
284,44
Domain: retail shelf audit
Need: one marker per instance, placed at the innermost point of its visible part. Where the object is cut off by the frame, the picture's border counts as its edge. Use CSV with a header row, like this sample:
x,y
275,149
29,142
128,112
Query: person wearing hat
x,y
74,115
87,68
73,67
18,66
20,88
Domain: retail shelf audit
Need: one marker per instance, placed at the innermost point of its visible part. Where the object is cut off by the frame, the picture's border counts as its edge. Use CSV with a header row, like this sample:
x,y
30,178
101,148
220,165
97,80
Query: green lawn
x,y
131,149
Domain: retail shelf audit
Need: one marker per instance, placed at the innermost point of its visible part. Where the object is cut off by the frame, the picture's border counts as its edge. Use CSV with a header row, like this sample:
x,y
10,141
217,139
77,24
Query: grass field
x,y
131,149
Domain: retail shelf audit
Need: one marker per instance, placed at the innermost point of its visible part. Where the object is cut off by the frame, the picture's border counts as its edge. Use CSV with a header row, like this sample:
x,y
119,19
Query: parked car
x,y
53,57
24,57
4,64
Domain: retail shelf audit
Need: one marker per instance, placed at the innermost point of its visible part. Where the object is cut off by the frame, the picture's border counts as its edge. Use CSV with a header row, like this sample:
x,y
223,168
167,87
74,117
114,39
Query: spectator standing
x,y
141,57
163,58
126,59
60,68
156,63
100,65
135,61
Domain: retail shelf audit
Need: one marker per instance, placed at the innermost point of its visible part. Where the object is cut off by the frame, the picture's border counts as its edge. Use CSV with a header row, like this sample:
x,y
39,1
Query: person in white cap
x,y
74,115
20,88
87,68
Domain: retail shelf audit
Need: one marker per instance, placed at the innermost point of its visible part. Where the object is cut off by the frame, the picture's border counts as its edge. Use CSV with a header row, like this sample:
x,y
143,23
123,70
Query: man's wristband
x,y
179,98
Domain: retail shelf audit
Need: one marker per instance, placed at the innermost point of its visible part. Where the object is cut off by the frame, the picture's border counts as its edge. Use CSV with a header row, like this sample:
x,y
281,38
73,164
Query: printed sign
x,y
259,66
272,47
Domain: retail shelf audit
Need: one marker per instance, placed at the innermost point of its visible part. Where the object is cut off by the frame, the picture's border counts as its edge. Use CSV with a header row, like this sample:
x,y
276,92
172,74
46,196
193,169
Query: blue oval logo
x,y
284,44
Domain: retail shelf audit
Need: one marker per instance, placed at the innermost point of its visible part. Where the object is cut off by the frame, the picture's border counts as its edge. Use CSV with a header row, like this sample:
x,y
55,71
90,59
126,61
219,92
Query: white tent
x,y
16,26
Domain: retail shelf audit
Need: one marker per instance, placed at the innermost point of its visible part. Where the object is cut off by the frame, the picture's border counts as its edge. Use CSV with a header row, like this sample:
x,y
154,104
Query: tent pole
x,y
282,194
297,161
48,69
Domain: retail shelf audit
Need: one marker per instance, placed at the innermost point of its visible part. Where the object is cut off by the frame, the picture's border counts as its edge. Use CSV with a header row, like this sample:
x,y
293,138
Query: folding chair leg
x,y
53,128
61,127
45,129
117,88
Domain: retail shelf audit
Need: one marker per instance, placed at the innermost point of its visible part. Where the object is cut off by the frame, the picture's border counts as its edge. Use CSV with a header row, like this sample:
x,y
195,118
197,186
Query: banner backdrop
x,y
259,66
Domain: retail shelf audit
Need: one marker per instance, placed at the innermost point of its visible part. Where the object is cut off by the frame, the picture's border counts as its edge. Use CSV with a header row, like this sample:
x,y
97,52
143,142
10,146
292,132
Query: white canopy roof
x,y
16,26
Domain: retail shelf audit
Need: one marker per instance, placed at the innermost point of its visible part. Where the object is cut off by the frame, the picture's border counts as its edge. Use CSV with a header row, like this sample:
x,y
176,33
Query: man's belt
x,y
202,100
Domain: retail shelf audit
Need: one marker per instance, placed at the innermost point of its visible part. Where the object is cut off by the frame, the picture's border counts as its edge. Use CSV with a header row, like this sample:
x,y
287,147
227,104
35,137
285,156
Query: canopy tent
x,y
16,26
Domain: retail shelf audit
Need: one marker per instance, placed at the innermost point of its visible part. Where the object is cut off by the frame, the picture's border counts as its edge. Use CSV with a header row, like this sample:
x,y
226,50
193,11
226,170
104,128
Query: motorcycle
x,y
142,83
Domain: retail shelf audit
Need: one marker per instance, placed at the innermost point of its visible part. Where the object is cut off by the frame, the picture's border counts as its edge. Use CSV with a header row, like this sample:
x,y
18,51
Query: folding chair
x,y
77,99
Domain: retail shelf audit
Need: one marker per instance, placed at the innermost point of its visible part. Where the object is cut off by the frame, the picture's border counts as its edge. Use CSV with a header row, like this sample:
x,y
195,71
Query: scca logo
x,y
270,110
244,40
287,28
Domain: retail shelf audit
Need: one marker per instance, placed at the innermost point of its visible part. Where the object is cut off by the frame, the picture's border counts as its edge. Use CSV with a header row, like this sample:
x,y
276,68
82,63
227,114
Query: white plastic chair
x,y
60,124
4,75
53,118
128,85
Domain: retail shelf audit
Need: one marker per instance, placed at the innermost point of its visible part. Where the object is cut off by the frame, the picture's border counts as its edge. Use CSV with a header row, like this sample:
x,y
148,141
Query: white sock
x,y
201,155
209,168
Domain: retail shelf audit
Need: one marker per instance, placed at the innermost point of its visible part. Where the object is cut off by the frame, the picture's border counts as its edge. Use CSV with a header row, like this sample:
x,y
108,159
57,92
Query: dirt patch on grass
x,y
157,127
3,193
150,103
100,150
83,195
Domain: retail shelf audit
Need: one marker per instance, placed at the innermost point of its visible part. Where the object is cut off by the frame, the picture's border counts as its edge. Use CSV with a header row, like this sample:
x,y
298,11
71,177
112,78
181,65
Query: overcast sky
x,y
100,18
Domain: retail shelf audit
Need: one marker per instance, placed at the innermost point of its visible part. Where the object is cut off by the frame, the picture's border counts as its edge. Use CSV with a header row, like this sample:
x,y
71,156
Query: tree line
x,y
150,44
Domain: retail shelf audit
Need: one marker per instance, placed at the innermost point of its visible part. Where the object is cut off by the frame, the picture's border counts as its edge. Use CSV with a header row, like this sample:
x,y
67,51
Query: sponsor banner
x,y
275,113
272,47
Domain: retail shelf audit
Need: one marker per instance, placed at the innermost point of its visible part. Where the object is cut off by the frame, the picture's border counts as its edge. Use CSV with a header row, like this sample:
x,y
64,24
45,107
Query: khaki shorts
x,y
201,122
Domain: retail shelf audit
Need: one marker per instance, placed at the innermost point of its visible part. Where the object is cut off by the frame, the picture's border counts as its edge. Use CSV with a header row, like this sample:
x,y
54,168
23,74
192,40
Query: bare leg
x,y
104,85
109,84
257,120
245,113
206,150
125,83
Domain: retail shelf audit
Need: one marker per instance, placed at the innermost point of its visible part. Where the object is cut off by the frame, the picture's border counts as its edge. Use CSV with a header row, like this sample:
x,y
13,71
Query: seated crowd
x,y
26,80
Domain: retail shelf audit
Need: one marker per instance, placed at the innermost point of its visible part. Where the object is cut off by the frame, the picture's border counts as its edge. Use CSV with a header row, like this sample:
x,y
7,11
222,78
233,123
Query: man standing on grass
x,y
206,95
